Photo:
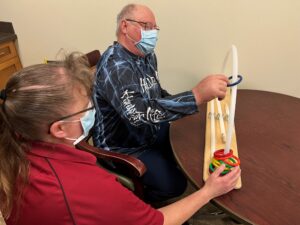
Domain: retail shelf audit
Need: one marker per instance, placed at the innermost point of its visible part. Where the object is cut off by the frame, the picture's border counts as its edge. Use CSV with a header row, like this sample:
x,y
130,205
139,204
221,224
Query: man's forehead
x,y
144,14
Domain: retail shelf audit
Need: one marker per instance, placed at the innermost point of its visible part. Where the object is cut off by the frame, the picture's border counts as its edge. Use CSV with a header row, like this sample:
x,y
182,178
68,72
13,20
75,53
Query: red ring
x,y
220,154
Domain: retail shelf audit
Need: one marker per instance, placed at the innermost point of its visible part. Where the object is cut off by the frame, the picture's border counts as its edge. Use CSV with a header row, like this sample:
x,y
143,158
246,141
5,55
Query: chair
x,y
128,169
93,58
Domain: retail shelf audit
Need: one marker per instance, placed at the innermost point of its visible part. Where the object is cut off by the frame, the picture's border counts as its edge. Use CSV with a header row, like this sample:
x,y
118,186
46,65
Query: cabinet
x,y
9,61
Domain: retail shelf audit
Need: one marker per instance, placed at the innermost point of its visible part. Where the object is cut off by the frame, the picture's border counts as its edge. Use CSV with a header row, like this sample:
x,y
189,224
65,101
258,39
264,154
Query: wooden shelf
x,y
9,62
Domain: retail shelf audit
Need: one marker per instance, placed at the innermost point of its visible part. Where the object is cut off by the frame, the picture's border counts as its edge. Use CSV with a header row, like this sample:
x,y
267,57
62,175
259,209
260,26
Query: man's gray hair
x,y
126,12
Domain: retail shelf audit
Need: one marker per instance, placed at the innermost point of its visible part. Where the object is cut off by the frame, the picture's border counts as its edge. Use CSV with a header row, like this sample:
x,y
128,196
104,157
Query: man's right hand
x,y
212,86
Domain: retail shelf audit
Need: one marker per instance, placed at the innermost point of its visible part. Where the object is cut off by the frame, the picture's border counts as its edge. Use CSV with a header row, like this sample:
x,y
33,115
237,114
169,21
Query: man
x,y
133,110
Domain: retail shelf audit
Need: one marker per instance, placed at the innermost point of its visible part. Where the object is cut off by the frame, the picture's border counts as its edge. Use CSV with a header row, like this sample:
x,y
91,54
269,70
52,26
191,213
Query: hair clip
x,y
3,94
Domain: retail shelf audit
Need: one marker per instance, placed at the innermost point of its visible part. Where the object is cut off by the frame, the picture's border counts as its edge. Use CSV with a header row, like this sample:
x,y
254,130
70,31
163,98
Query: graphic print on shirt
x,y
135,116
147,83
130,109
154,115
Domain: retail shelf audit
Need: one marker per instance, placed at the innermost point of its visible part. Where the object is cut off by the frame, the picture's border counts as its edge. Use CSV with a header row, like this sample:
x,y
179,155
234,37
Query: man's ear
x,y
123,27
57,130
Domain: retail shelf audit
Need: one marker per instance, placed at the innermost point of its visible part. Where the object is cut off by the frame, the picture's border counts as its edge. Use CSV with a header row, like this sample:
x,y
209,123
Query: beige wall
x,y
195,36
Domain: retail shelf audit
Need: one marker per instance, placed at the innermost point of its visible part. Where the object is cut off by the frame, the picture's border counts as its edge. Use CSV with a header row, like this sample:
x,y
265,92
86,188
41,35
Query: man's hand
x,y
212,86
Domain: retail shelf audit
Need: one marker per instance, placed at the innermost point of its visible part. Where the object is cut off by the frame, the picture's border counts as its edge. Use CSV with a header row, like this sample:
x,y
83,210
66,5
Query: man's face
x,y
142,19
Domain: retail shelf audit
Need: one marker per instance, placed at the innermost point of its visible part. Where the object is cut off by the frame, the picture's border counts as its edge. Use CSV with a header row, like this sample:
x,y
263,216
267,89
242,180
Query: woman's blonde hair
x,y
33,97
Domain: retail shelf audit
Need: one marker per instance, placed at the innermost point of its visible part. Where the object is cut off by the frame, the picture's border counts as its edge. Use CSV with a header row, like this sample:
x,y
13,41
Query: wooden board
x,y
219,144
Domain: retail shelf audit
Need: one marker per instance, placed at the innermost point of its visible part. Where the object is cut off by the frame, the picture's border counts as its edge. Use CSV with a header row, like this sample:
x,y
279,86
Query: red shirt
x,y
67,187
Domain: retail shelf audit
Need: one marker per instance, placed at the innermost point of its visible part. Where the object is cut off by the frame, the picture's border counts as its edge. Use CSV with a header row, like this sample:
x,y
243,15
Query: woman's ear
x,y
56,130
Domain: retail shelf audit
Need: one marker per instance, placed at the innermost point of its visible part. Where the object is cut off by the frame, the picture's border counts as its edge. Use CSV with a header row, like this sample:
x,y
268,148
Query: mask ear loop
x,y
130,38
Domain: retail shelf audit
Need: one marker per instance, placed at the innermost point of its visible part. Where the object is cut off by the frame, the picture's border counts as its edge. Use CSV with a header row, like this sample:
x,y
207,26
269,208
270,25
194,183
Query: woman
x,y
45,111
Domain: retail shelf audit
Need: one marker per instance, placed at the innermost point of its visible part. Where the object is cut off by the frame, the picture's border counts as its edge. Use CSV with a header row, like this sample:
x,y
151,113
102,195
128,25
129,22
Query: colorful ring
x,y
235,83
235,161
212,169
229,160
219,154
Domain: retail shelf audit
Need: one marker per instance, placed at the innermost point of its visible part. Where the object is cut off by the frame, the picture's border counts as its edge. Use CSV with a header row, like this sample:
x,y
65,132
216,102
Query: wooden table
x,y
268,136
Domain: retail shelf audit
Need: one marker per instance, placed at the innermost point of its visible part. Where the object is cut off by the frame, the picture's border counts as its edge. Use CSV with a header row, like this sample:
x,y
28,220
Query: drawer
x,y
7,51
7,69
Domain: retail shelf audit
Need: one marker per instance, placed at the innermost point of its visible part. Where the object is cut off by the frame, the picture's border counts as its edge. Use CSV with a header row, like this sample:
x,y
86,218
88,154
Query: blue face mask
x,y
87,122
148,41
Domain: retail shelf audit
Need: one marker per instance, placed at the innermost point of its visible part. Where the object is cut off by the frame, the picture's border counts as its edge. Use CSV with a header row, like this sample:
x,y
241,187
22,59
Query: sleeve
x,y
126,208
164,93
139,213
122,89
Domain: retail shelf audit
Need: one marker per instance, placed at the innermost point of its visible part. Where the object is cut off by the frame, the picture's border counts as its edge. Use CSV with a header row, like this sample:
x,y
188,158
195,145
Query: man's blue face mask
x,y
148,41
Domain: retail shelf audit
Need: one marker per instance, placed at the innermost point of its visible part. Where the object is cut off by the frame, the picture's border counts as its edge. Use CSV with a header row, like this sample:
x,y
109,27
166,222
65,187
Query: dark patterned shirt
x,y
130,102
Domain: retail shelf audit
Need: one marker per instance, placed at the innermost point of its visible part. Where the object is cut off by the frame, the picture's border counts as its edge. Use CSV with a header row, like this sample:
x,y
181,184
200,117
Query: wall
x,y
194,38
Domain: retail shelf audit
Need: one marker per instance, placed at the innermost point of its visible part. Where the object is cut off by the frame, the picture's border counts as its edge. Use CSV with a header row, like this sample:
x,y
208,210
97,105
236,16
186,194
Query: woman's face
x,y
70,124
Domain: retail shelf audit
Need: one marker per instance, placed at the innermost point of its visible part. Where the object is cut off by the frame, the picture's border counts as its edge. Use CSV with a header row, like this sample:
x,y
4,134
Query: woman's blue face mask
x,y
87,122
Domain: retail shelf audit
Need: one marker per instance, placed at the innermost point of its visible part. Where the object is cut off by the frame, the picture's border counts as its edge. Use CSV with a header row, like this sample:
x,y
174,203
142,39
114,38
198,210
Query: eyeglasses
x,y
145,25
71,115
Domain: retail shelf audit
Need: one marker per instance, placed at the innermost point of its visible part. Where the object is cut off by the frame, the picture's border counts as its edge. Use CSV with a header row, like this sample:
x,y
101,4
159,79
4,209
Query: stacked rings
x,y
229,160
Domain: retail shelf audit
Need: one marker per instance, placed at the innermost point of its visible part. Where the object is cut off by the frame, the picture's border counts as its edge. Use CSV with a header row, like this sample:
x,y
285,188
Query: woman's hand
x,y
217,185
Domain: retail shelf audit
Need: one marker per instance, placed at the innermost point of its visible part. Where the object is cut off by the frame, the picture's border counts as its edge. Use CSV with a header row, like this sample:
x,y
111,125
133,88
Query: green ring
x,y
227,166
213,169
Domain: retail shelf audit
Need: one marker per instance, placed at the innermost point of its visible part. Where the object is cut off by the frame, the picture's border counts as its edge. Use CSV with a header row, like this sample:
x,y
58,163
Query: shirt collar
x,y
61,152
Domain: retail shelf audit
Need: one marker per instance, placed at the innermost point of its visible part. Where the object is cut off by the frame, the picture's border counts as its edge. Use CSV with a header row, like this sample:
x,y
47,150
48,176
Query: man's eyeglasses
x,y
144,25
